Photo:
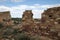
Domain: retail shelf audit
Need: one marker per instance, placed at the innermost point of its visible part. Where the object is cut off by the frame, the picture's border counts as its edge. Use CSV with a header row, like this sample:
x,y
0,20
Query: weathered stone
x,y
5,16
27,16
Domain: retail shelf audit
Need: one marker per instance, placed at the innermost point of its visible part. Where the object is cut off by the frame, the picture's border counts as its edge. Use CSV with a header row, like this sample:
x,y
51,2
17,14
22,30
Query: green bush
x,y
1,25
21,36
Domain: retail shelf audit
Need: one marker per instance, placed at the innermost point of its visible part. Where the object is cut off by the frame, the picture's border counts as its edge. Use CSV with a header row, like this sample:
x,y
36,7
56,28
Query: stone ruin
x,y
47,29
52,17
27,20
51,22
49,25
4,16
27,16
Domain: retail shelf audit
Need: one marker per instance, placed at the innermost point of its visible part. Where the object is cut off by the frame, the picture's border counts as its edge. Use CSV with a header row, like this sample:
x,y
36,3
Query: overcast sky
x,y
17,7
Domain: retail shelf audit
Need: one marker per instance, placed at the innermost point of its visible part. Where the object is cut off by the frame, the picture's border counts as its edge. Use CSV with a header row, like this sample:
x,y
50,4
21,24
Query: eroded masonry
x,y
4,16
46,28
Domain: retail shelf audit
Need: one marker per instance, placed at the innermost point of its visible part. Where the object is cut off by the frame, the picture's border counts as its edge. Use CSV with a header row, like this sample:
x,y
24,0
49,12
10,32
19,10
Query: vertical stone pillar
x,y
27,16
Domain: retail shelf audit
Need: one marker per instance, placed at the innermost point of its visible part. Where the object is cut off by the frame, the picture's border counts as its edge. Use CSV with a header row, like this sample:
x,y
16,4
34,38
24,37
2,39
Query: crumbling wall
x,y
27,21
27,16
52,16
51,21
4,16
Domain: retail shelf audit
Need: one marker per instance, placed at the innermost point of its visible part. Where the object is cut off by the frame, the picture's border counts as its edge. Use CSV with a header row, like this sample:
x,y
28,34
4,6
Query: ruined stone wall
x,y
27,16
52,16
50,21
5,16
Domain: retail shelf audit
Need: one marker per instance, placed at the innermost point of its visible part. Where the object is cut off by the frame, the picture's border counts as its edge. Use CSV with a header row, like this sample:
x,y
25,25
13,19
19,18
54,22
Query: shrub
x,y
21,36
1,25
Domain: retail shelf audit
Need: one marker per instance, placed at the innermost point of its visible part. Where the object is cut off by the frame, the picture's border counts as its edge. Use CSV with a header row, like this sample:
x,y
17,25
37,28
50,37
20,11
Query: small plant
x,y
21,36
1,25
